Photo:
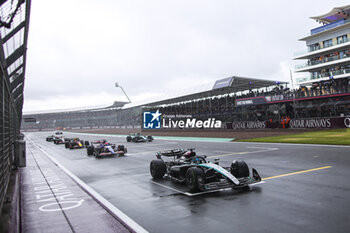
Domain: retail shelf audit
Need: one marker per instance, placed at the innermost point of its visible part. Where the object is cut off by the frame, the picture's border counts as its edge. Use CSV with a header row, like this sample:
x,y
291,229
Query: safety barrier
x,y
13,41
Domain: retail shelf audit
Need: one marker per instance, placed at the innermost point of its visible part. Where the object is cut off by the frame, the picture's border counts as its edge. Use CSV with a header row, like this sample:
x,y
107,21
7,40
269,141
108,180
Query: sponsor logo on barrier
x,y
311,123
274,98
245,102
251,101
249,125
347,122
225,82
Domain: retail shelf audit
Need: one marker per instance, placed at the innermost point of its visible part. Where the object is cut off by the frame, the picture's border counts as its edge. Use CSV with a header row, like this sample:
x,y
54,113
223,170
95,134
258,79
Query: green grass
x,y
329,137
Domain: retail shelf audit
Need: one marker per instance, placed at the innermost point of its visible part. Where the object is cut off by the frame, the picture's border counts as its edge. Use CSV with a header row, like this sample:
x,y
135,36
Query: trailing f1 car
x,y
74,143
199,174
58,132
103,148
59,140
137,137
50,138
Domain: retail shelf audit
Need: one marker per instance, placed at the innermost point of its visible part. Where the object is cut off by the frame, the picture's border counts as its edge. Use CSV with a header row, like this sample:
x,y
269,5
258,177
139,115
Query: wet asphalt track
x,y
310,201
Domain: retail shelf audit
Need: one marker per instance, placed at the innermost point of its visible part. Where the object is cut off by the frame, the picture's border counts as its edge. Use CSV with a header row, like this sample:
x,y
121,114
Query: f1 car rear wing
x,y
176,153
171,153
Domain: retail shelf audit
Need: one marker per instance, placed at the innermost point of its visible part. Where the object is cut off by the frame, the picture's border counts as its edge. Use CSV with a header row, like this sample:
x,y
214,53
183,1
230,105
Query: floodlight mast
x,y
117,85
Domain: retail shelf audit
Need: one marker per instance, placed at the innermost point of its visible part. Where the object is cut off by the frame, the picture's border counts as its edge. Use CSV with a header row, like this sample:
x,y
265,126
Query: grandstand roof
x,y
334,15
117,104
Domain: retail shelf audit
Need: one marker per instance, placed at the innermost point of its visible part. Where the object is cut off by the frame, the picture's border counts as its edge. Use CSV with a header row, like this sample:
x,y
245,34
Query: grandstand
x,y
114,115
121,114
231,100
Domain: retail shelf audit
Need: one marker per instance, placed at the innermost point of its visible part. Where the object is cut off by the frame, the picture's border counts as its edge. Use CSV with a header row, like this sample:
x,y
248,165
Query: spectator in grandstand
x,y
320,86
327,87
314,89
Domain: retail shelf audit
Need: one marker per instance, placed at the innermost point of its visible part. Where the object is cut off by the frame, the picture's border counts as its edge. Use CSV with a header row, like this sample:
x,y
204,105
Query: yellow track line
x,y
294,173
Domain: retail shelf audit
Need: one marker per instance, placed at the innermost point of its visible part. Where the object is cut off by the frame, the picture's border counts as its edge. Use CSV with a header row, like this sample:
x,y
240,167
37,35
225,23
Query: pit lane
x,y
297,197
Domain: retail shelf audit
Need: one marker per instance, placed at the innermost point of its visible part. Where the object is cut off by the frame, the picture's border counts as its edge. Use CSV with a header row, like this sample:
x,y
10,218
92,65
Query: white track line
x,y
164,186
244,152
126,219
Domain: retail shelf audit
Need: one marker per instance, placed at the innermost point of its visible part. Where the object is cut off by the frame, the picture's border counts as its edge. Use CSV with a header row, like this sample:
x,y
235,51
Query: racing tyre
x,y
157,168
87,143
97,154
195,179
66,145
149,138
121,148
90,150
239,169
128,139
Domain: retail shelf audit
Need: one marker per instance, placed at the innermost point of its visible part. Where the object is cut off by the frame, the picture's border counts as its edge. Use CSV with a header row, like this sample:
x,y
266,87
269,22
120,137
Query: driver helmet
x,y
189,154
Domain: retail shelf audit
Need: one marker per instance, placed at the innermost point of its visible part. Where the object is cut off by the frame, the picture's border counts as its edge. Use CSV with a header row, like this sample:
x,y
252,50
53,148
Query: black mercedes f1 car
x,y
50,138
103,148
55,139
137,137
199,174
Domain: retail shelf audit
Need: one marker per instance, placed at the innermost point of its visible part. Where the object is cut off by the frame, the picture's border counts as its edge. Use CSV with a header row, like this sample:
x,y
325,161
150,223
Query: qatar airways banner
x,y
305,123
320,123
249,125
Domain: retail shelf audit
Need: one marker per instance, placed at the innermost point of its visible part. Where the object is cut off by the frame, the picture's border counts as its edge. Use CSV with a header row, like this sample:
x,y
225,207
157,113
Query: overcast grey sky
x,y
78,49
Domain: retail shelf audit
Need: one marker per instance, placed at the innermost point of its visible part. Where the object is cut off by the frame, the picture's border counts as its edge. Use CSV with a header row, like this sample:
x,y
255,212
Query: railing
x,y
312,49
317,62
340,72
300,66
9,127
323,75
303,79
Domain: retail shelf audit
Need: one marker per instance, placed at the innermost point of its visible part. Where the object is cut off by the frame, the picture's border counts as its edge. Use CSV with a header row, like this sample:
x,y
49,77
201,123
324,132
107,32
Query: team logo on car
x,y
152,120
